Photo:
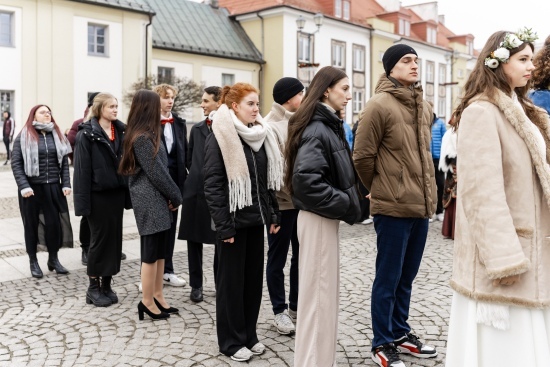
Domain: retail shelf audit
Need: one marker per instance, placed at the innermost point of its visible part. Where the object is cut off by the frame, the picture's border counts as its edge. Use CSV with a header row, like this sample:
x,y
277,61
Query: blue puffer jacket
x,y
438,130
541,98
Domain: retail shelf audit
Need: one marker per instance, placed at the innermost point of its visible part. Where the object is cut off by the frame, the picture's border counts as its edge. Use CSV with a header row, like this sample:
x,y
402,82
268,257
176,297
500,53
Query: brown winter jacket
x,y
502,213
392,151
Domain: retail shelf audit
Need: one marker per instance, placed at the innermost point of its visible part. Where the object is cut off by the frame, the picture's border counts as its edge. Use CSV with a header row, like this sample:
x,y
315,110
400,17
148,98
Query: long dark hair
x,y
143,120
32,131
325,78
486,81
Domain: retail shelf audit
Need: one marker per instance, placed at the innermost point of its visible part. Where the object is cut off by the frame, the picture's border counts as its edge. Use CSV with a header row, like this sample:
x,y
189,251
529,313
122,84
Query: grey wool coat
x,y
151,187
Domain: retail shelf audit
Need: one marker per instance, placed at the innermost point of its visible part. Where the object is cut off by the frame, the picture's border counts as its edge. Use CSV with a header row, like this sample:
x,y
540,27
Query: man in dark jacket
x,y
392,157
174,138
195,223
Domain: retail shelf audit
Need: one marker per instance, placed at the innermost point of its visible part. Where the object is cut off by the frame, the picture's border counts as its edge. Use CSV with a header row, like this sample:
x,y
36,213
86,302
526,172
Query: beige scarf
x,y
227,129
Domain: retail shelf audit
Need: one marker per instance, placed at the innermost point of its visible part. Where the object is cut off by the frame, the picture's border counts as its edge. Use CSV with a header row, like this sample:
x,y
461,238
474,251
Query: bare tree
x,y
189,91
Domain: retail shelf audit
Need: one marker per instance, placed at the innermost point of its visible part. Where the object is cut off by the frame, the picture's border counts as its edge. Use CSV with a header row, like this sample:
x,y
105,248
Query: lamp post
x,y
300,24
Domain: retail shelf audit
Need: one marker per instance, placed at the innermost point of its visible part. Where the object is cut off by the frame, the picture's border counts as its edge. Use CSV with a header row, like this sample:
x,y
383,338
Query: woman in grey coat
x,y
154,194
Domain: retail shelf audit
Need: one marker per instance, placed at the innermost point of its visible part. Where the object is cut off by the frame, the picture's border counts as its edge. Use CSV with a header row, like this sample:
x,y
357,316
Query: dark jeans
x,y
7,144
276,260
239,282
84,235
400,243
440,183
168,264
194,257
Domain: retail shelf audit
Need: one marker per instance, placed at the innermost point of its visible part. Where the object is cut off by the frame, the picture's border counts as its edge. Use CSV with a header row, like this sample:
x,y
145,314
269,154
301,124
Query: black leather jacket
x,y
264,208
324,180
48,165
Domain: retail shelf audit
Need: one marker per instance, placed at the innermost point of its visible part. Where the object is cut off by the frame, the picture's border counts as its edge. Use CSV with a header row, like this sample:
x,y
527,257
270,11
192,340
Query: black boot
x,y
107,291
36,272
95,295
54,264
84,258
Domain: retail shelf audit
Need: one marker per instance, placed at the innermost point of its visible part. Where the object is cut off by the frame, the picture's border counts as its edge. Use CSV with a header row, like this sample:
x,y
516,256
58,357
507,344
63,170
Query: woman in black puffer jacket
x,y
322,181
243,166
41,169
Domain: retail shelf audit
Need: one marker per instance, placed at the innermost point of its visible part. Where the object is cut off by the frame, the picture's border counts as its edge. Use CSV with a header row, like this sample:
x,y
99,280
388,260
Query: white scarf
x,y
227,130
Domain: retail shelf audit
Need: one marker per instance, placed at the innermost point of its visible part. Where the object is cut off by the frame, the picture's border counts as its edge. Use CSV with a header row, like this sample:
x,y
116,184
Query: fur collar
x,y
516,116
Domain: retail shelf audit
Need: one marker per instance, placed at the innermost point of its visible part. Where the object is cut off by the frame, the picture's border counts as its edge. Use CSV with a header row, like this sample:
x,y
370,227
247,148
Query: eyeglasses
x,y
45,113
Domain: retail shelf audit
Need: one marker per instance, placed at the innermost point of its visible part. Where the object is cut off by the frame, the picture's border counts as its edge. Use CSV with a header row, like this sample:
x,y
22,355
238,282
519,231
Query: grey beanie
x,y
394,54
286,88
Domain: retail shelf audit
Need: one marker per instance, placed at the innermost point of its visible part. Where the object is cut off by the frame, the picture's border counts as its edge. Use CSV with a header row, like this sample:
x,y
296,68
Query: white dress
x,y
471,344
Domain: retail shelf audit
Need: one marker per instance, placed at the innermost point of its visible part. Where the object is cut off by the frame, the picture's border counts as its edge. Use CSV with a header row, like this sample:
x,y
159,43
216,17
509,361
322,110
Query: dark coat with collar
x,y
180,140
96,164
195,223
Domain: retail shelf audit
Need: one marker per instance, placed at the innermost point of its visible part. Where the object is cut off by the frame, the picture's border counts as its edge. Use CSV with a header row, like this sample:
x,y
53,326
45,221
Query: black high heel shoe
x,y
142,308
54,264
166,310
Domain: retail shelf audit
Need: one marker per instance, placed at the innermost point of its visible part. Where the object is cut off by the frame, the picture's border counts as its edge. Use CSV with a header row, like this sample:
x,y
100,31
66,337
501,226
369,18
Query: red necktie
x,y
208,121
167,121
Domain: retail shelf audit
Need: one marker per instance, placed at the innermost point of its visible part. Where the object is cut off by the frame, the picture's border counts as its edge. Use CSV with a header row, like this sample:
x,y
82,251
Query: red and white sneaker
x,y
410,344
386,355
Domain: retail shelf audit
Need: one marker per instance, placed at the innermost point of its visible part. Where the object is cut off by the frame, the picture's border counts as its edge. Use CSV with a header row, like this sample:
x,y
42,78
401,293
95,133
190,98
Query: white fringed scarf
x,y
227,129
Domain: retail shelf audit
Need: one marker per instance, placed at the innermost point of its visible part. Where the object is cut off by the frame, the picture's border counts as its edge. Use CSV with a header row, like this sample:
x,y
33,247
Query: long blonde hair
x,y
99,102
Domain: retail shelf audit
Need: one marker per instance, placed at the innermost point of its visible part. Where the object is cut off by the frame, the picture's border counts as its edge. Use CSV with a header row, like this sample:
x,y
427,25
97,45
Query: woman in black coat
x,y
101,194
242,168
154,195
40,166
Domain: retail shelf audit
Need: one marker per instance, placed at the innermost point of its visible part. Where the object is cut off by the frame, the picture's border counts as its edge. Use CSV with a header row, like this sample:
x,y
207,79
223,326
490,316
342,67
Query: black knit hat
x,y
286,88
394,54
91,99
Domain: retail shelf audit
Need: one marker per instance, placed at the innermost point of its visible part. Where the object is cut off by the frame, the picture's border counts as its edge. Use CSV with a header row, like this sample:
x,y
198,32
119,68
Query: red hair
x,y
30,119
236,93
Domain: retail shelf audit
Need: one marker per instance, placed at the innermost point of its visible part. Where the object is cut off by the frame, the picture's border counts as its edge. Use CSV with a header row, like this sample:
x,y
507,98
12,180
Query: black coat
x,y
180,139
96,164
195,223
264,208
324,180
49,170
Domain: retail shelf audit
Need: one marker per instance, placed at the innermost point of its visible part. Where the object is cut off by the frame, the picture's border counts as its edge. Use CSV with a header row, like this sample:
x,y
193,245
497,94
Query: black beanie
x,y
394,54
91,99
286,88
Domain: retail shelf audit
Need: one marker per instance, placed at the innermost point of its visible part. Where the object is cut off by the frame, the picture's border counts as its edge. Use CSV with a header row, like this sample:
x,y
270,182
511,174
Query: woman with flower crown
x,y
500,313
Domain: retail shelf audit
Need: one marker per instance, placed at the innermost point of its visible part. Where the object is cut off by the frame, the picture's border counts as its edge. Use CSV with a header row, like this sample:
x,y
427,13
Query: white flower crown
x,y
511,41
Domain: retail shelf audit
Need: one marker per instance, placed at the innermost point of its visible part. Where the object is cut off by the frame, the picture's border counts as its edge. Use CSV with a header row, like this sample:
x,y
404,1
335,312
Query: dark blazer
x,y
151,188
324,180
264,208
195,223
180,139
96,164
49,170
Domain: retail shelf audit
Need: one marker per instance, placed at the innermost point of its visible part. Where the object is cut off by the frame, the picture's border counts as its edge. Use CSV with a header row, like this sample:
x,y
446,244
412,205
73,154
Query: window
x,y
305,47
431,35
346,10
6,38
419,63
358,58
404,27
228,79
97,39
442,108
339,54
430,71
358,100
442,73
338,8
470,47
165,75
6,96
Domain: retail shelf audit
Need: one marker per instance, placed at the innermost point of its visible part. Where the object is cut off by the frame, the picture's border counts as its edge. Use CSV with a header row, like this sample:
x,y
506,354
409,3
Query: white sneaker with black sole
x,y
173,280
387,356
283,323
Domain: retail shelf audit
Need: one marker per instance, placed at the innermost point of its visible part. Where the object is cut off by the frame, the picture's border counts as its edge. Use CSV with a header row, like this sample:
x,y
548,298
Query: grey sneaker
x,y
257,349
284,324
293,315
242,355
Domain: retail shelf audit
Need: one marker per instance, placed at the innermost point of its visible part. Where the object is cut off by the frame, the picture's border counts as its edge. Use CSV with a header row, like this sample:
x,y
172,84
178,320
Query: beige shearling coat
x,y
502,214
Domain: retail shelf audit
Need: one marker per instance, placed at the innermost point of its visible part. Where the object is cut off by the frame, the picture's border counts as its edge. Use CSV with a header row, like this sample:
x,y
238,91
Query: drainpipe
x,y
371,92
261,71
147,50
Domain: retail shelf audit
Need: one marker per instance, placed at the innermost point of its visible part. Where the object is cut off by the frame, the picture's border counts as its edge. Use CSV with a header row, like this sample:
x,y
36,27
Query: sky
x,y
484,17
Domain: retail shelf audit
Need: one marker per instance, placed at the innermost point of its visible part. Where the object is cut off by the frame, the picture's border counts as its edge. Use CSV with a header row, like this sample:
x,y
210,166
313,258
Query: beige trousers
x,y
318,297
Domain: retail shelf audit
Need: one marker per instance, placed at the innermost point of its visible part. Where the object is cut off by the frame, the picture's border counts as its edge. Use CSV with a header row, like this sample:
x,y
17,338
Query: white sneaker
x,y
293,315
284,324
173,280
367,221
440,217
140,288
257,349
242,355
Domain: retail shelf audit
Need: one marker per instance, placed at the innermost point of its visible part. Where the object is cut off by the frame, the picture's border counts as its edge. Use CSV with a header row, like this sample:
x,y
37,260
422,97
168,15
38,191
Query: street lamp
x,y
317,19
300,23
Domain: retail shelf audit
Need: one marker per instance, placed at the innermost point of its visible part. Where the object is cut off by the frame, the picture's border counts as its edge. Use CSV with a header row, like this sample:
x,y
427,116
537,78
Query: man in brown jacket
x,y
392,157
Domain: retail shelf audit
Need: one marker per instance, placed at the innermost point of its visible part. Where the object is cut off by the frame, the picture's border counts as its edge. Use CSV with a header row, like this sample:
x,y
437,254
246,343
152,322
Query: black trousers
x,y
239,282
84,234
195,257
7,144
44,201
279,244
440,183
171,242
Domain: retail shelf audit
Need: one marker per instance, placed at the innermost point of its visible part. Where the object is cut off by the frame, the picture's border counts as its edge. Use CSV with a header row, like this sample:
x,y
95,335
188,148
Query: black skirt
x,y
105,222
153,246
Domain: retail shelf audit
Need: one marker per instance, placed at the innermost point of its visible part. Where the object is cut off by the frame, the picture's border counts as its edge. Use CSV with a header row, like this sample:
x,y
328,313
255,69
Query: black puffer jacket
x,y
96,164
324,180
264,208
48,166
